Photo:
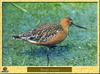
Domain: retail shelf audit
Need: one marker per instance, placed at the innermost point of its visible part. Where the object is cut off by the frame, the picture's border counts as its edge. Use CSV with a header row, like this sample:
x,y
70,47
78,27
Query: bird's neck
x,y
65,28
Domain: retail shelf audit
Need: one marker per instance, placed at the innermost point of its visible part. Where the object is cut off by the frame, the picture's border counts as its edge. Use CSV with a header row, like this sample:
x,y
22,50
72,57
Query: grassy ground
x,y
79,48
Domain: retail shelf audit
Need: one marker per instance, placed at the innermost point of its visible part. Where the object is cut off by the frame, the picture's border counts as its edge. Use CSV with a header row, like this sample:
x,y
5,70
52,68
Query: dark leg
x,y
48,59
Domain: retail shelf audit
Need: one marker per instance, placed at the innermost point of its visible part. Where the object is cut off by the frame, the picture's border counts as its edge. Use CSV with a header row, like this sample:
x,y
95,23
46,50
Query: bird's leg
x,y
47,52
48,59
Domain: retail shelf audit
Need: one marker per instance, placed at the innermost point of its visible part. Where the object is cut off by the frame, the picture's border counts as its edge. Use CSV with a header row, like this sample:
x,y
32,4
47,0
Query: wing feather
x,y
42,34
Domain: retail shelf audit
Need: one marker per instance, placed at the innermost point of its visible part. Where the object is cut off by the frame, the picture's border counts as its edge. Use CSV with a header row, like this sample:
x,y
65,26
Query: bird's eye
x,y
69,21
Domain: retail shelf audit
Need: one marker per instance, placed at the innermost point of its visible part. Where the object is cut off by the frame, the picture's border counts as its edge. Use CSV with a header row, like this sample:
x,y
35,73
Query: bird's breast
x,y
57,38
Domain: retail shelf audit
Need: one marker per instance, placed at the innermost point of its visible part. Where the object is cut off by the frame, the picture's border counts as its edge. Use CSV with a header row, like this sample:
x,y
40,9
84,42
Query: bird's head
x,y
66,22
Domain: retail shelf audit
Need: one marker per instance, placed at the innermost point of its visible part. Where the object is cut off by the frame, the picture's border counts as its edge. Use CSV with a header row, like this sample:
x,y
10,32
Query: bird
x,y
48,35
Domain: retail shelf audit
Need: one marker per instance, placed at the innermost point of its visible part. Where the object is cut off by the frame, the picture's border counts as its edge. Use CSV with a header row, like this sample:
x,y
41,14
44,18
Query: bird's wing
x,y
43,33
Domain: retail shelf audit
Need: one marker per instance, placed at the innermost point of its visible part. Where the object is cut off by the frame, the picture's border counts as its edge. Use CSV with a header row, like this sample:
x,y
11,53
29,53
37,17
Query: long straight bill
x,y
79,26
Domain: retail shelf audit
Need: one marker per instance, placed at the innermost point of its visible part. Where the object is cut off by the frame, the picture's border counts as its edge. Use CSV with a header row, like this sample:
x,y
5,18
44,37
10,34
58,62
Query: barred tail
x,y
19,37
16,37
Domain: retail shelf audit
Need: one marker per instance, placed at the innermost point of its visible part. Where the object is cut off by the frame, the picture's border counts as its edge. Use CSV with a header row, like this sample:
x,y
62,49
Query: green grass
x,y
79,48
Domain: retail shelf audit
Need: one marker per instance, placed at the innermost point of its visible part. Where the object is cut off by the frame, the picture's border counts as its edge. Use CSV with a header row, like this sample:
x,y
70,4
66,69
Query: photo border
x,y
45,69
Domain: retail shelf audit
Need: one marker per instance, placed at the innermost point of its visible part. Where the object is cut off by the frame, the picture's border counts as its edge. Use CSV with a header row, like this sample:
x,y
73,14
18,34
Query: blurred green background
x,y
78,49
